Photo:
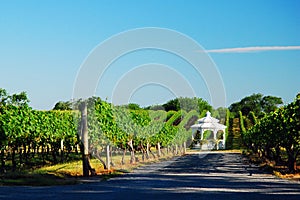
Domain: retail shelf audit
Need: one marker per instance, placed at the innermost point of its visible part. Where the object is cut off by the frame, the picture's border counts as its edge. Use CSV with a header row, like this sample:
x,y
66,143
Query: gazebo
x,y
212,124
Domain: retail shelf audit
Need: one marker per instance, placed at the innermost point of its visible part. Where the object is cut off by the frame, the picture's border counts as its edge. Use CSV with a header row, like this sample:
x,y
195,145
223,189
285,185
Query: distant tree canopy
x,y
20,99
270,103
172,105
187,104
257,103
155,107
219,113
131,106
134,106
63,105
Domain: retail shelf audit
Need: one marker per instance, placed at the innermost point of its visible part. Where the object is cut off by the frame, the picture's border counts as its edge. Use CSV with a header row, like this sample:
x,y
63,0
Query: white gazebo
x,y
212,124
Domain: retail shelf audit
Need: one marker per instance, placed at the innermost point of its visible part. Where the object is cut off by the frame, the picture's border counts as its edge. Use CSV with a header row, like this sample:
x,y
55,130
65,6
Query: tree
x,y
20,99
63,105
134,106
222,112
270,103
187,104
155,107
3,96
203,105
247,104
172,105
257,103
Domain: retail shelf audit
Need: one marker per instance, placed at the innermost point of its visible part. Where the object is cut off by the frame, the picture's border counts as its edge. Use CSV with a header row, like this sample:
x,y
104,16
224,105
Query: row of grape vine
x,y
28,136
276,137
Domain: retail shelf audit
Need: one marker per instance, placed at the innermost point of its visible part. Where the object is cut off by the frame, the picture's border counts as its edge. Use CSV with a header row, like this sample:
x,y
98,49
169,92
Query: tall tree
x,y
270,103
257,103
3,96
187,104
63,105
20,99
172,105
134,106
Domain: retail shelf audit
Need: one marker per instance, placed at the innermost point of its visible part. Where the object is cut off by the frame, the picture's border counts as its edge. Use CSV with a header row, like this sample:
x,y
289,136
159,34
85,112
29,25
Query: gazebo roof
x,y
208,122
208,119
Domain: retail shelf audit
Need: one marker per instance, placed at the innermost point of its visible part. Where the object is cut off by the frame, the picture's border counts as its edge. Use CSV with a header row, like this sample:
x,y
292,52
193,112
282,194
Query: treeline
x,y
183,103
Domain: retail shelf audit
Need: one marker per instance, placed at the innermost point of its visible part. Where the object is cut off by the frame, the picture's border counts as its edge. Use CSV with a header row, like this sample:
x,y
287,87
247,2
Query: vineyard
x,y
276,137
272,137
31,138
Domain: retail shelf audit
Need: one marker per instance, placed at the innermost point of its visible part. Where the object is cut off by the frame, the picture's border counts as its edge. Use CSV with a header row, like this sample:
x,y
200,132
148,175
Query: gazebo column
x,y
224,138
193,132
215,138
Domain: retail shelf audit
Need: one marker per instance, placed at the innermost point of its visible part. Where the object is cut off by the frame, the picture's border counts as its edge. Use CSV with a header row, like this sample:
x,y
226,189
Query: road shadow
x,y
213,176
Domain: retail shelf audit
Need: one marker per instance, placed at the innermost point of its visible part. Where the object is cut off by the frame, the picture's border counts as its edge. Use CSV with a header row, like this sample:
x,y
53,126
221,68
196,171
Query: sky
x,y
254,46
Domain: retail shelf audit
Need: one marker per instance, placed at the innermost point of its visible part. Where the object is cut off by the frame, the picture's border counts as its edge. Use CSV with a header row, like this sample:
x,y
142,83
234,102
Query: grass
x,y
33,179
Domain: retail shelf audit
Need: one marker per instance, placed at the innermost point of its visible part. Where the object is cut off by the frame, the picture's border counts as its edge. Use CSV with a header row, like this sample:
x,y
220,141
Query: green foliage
x,y
51,135
270,103
255,103
187,117
172,105
22,127
247,104
203,113
187,104
175,117
134,106
20,99
170,114
275,132
219,113
140,117
208,134
242,126
155,107
222,112
61,105
159,115
3,96
252,117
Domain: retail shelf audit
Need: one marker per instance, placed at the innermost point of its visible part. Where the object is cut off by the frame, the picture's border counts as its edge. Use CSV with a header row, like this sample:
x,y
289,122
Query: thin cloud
x,y
253,49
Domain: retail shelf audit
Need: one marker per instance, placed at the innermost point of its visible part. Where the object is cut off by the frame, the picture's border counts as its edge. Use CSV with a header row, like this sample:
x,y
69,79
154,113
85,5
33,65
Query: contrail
x,y
253,49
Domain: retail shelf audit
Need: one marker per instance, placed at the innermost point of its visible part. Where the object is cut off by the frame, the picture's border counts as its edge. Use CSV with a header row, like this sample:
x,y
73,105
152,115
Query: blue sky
x,y
44,43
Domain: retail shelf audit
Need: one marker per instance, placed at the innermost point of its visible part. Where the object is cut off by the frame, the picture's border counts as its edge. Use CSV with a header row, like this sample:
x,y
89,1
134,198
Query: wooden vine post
x,y
86,167
107,157
84,137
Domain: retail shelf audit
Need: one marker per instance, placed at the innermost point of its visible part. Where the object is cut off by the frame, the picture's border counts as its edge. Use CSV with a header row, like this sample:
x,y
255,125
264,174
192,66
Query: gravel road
x,y
210,175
